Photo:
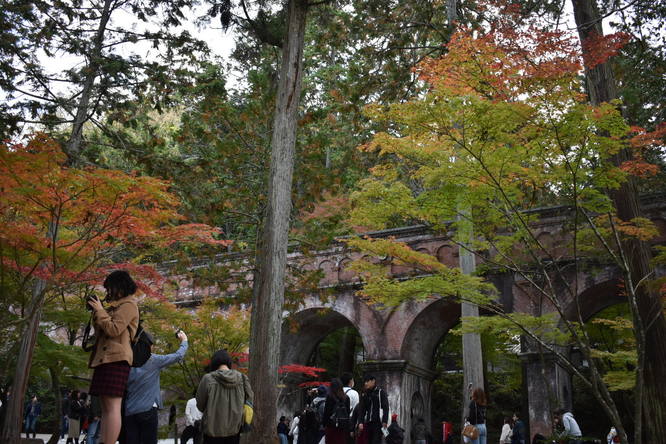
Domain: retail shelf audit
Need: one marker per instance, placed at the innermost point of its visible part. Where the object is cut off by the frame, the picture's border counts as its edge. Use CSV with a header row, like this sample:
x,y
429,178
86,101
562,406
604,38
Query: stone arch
x,y
344,275
330,272
303,330
594,298
448,255
426,331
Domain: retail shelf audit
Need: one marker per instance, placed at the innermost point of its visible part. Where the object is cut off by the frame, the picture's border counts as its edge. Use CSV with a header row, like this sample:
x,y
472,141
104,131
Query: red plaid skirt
x,y
110,379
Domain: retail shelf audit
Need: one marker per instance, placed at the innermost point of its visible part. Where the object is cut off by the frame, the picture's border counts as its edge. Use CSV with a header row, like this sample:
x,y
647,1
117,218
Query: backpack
x,y
396,434
141,344
308,423
319,412
340,416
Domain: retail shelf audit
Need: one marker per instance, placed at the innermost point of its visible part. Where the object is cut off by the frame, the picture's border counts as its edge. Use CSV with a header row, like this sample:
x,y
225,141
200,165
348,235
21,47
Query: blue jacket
x,y
143,385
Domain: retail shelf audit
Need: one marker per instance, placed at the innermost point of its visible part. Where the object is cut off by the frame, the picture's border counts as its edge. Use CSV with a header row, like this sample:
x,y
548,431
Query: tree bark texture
x,y
601,88
57,395
11,431
266,319
472,353
73,145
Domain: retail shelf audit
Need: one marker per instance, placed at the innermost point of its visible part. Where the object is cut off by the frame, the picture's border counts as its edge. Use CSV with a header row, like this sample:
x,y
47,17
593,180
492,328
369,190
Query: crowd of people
x,y
338,414
123,400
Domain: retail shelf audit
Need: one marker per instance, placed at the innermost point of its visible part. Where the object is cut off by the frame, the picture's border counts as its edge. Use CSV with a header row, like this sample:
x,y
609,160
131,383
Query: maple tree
x,y
505,129
66,227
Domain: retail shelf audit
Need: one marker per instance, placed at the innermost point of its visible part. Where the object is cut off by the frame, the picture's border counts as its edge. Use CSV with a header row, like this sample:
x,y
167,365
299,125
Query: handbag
x,y
248,415
470,431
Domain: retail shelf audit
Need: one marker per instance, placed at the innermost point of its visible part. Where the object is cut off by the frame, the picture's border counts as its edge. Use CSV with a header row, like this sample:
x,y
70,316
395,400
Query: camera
x,y
178,330
89,299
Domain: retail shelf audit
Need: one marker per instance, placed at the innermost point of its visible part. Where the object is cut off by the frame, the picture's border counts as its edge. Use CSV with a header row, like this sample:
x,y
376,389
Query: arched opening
x,y
607,318
317,337
339,352
502,374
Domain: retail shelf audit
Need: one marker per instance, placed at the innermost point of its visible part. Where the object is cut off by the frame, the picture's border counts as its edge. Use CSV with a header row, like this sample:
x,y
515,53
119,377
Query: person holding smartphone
x,y
111,356
143,398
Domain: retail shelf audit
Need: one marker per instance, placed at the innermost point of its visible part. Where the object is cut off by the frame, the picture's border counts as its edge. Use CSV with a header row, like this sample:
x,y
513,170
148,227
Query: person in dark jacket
x,y
336,418
76,411
396,434
64,405
373,410
32,411
283,430
518,434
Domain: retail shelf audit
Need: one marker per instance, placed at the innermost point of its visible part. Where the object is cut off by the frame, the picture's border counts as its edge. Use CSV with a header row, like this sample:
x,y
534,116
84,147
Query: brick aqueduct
x,y
400,343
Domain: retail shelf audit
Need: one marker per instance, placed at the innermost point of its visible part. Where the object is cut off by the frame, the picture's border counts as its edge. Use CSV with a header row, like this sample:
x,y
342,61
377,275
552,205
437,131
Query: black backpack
x,y
396,434
340,417
319,408
141,344
308,424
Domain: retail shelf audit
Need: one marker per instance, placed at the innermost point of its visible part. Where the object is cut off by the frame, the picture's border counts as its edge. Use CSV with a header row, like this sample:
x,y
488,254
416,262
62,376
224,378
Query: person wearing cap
x,y
143,395
373,410
396,434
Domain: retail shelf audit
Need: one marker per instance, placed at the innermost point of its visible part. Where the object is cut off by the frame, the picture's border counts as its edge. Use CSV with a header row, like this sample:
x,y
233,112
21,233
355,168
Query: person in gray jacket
x,y
571,427
221,396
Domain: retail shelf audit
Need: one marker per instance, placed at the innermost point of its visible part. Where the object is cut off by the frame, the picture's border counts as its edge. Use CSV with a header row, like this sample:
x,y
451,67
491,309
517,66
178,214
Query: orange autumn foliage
x,y
66,225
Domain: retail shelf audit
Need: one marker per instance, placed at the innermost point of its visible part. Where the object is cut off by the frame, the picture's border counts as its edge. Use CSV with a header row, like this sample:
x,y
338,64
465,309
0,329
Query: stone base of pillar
x,y
408,388
548,388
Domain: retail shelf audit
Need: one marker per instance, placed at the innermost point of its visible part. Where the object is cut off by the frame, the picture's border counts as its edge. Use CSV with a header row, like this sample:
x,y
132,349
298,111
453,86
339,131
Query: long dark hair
x,y
120,284
336,389
479,396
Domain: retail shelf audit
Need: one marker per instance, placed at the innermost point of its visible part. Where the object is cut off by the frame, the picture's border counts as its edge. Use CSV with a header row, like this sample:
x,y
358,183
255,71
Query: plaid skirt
x,y
110,379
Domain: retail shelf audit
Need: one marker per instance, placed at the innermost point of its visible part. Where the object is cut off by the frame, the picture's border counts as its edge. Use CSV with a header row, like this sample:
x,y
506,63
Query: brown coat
x,y
114,329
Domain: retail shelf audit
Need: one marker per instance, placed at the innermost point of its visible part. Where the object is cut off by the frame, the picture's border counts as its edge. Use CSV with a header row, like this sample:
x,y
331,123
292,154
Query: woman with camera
x,y
111,356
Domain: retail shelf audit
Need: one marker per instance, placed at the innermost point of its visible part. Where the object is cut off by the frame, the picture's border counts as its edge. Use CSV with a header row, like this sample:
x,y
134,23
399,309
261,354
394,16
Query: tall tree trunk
x,y
451,12
266,319
73,145
601,87
11,431
55,388
471,345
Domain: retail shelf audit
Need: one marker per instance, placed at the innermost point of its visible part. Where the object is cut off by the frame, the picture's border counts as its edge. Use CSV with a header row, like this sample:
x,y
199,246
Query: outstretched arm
x,y
167,360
